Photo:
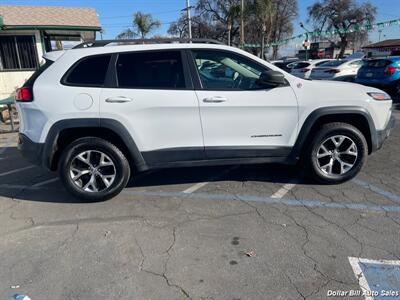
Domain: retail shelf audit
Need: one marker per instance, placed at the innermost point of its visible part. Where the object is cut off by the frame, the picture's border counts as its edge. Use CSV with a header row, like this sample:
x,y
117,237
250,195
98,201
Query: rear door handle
x,y
215,99
119,99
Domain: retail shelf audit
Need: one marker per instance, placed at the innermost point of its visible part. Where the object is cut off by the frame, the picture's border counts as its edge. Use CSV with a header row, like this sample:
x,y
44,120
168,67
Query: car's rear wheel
x,y
337,153
93,169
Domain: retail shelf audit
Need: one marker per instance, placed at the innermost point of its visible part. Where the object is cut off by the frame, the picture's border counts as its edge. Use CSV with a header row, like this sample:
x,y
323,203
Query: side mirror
x,y
272,78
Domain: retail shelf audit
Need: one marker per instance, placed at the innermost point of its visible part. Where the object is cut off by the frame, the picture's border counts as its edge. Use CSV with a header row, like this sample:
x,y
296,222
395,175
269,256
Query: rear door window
x,y
377,63
150,70
90,71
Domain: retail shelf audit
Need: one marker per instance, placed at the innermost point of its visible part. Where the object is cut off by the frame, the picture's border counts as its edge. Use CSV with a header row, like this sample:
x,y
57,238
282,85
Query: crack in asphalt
x,y
165,268
295,287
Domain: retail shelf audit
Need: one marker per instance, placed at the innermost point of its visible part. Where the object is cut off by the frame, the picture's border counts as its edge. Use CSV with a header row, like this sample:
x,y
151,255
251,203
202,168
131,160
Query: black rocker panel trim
x,y
246,152
197,155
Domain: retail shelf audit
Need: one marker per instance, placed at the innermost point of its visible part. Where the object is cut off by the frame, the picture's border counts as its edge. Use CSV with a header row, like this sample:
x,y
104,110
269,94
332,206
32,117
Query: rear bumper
x,y
382,135
31,151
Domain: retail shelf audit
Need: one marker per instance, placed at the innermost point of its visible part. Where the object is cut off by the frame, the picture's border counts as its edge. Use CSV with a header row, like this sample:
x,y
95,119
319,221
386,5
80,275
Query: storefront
x,y
27,32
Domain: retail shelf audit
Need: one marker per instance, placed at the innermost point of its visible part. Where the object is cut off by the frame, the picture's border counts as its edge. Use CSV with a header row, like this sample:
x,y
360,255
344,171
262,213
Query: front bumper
x,y
382,135
30,150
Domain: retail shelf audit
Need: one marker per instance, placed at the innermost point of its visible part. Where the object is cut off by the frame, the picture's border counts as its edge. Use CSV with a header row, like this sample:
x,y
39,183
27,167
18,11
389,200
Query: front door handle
x,y
119,99
215,99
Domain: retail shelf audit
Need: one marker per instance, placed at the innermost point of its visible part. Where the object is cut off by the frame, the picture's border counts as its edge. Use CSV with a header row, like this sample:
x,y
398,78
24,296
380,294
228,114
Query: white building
x,y
26,32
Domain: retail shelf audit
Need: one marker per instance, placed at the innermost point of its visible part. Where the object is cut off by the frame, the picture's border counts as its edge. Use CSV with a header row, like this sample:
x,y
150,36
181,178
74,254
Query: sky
x,y
116,15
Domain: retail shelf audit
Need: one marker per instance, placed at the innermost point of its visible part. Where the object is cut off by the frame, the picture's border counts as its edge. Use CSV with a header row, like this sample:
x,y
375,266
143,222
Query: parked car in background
x,y
382,72
336,68
302,69
284,65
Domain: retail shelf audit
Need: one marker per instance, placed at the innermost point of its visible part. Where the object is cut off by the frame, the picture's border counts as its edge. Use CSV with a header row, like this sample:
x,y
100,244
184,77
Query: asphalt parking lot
x,y
244,232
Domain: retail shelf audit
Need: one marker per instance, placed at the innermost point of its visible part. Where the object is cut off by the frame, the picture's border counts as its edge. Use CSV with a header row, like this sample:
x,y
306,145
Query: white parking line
x,y
45,182
16,171
283,190
199,185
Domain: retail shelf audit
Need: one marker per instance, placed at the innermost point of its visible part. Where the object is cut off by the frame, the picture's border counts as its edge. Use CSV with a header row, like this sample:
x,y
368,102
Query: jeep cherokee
x,y
106,110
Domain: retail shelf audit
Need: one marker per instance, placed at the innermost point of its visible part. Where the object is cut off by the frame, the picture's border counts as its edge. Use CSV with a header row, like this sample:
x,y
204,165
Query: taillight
x,y
24,94
390,70
333,71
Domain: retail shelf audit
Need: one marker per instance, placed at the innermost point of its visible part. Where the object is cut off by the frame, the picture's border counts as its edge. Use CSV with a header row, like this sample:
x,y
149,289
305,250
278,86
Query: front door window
x,y
220,70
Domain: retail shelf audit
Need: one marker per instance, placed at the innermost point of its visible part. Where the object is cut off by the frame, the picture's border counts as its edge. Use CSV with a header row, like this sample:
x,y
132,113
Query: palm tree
x,y
265,13
231,14
143,24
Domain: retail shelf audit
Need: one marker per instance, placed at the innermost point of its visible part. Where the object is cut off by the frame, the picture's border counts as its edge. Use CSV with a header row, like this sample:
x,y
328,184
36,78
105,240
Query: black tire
x,y
120,169
322,136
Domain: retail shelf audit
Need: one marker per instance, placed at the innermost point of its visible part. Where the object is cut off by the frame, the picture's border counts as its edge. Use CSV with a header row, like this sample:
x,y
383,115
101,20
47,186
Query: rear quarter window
x,y
90,71
37,73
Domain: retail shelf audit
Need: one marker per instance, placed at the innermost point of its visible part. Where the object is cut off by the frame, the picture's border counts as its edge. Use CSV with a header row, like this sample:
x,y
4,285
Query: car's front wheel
x,y
336,153
93,169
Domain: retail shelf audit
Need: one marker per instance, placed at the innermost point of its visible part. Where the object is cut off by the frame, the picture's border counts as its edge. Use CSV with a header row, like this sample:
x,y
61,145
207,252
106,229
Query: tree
x,y
220,18
142,25
179,28
342,15
285,12
268,20
265,13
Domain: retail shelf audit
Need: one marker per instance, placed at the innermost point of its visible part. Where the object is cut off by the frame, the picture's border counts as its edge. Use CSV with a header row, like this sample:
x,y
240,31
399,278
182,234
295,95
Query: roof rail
x,y
102,43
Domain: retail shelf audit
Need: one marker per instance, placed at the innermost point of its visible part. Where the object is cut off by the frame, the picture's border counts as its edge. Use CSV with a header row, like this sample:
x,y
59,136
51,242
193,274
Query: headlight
x,y
379,96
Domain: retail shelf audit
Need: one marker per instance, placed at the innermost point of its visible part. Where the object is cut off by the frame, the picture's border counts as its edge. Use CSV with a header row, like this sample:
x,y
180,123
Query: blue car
x,y
383,73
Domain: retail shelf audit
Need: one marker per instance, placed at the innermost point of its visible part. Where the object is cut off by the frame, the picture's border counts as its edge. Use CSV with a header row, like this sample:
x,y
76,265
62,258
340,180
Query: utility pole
x,y
306,43
188,7
242,25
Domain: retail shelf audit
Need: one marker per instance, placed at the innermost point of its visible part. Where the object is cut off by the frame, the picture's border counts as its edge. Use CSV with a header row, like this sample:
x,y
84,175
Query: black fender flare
x,y
50,145
332,110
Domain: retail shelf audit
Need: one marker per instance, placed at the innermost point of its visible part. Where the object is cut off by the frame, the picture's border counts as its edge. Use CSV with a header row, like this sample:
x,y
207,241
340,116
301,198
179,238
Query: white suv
x,y
105,111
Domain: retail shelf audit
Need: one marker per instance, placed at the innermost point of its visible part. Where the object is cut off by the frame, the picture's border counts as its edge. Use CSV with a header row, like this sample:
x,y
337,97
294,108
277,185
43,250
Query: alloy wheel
x,y
337,155
92,171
